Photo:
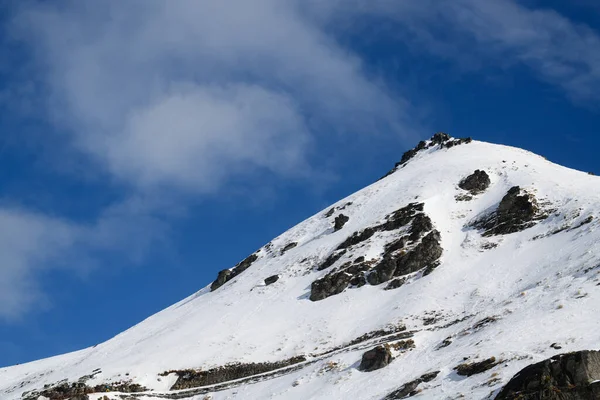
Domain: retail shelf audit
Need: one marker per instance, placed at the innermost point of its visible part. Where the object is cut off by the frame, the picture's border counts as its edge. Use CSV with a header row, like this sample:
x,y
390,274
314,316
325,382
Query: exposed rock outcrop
x,y
410,389
288,246
329,285
190,378
425,254
271,279
375,358
475,183
468,369
339,222
332,259
419,248
439,139
226,275
80,390
517,211
570,376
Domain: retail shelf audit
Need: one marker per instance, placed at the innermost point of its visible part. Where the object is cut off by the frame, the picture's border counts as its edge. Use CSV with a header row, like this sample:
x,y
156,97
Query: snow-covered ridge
x,y
492,292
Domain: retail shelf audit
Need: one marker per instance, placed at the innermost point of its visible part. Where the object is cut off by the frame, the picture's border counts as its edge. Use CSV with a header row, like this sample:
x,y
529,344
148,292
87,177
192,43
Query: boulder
x,y
475,183
339,222
375,358
271,279
468,369
570,376
288,246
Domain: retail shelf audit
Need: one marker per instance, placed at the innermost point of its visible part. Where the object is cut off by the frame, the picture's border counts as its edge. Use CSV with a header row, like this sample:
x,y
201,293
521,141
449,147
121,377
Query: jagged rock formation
x,y
394,263
440,139
226,275
414,249
571,376
517,211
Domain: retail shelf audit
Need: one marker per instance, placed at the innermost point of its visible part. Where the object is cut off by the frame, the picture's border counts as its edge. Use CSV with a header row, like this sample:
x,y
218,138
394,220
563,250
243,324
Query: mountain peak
x,y
468,262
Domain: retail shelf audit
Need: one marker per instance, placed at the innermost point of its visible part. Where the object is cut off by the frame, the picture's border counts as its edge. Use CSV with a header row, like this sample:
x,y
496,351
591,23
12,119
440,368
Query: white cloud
x,y
33,245
27,242
191,93
499,33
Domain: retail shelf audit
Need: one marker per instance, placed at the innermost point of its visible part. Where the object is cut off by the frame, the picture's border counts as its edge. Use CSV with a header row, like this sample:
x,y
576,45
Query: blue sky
x,y
146,145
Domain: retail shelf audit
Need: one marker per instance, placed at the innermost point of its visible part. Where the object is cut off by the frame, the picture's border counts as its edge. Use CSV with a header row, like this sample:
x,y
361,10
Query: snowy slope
x,y
536,287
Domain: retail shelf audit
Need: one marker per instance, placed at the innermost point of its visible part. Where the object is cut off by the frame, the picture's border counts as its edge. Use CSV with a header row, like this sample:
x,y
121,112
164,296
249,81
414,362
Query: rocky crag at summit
x,y
470,271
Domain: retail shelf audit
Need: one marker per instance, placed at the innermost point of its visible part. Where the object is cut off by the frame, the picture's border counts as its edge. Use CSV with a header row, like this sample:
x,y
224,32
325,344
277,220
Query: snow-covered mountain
x,y
466,263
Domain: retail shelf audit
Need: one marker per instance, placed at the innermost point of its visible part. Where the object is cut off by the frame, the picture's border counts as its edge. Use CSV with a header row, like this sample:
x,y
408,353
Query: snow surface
x,y
541,287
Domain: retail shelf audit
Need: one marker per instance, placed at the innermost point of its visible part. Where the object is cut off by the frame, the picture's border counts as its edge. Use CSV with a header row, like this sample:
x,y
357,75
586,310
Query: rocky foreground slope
x,y
470,271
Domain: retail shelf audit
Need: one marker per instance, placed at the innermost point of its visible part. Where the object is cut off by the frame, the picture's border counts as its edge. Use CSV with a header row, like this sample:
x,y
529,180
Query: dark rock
x,y
410,389
515,213
331,284
468,369
356,238
288,246
336,282
421,223
396,220
226,275
358,280
475,183
440,138
329,261
80,391
401,217
395,283
222,278
375,358
339,222
395,245
570,376
445,343
456,142
423,255
396,261
330,212
556,346
383,272
271,279
190,378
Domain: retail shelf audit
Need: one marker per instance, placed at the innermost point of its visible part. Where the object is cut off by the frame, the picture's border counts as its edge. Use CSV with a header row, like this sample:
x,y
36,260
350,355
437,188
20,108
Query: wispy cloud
x,y
499,33
190,93
33,244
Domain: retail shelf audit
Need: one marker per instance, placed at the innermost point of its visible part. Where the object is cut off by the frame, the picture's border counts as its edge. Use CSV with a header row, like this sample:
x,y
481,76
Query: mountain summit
x,y
466,264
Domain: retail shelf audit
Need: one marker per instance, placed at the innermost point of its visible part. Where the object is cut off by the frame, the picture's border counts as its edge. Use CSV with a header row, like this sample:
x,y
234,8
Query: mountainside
x,y
465,264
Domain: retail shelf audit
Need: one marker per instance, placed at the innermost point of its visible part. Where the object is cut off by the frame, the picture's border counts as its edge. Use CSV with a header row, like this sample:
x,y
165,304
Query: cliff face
x,y
465,264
